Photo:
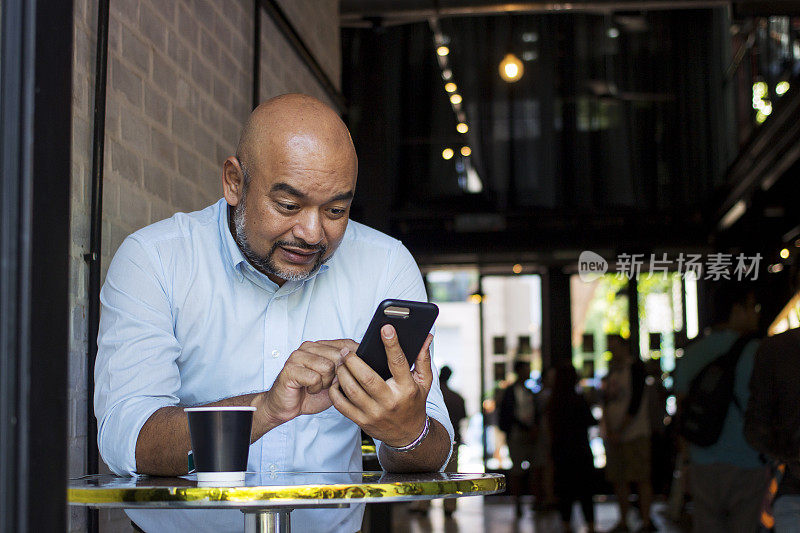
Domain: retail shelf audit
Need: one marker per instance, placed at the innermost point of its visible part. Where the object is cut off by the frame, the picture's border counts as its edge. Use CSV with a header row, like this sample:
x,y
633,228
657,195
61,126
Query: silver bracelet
x,y
416,442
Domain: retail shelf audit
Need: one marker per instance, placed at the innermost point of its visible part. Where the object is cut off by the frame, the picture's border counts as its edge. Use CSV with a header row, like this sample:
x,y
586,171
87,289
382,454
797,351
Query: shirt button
x,y
273,467
275,354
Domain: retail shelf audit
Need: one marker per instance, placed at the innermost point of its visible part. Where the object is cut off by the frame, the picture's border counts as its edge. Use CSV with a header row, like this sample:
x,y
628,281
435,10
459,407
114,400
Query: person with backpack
x,y
727,479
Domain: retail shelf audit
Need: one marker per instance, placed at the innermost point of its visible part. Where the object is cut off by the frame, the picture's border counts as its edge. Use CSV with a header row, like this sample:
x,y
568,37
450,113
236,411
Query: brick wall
x,y
179,90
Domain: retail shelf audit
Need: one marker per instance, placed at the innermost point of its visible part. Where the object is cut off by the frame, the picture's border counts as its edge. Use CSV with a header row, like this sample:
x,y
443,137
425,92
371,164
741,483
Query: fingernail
x,y
387,331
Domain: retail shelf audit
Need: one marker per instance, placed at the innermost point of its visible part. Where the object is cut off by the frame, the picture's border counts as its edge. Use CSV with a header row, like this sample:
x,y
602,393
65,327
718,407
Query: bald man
x,y
259,300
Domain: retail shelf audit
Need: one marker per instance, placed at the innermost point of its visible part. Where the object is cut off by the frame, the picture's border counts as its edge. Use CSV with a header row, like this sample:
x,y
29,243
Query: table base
x,y
267,521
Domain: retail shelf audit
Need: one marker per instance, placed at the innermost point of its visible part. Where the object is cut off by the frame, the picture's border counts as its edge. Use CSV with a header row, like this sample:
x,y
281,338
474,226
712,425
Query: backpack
x,y
710,394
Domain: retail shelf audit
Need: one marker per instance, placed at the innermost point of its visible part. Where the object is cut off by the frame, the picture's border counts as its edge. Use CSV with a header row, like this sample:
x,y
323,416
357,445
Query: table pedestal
x,y
267,521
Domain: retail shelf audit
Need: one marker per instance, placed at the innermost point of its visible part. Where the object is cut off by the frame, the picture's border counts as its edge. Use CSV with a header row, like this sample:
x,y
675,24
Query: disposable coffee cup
x,y
220,442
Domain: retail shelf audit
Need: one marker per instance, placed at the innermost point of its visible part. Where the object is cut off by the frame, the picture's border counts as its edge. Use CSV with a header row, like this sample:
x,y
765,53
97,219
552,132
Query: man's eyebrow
x,y
285,187
340,197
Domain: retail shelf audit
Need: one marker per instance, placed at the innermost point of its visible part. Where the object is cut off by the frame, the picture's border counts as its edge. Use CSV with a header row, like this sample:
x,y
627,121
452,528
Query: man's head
x,y
522,369
620,349
291,184
734,305
445,373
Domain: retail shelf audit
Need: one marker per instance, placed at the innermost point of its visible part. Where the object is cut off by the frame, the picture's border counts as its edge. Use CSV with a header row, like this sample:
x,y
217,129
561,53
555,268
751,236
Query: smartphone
x,y
412,322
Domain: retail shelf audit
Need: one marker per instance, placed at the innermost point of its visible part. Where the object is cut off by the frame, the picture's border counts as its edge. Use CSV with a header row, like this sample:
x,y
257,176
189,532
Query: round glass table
x,y
267,498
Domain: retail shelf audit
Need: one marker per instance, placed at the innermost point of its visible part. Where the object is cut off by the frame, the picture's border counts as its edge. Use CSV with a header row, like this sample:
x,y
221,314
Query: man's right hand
x,y
302,386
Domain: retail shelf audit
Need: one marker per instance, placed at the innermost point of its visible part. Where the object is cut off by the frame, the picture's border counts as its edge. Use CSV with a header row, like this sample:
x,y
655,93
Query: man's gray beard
x,y
265,263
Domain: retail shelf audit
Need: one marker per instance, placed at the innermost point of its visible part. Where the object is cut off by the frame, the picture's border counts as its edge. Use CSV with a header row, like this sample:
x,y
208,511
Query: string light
x,y
785,253
468,178
782,88
517,269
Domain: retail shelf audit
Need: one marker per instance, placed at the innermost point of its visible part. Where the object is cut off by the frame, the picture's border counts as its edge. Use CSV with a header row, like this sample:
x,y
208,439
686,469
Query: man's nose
x,y
309,227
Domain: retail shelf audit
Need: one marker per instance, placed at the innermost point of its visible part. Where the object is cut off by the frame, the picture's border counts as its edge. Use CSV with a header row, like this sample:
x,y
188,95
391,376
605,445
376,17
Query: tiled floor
x,y
497,516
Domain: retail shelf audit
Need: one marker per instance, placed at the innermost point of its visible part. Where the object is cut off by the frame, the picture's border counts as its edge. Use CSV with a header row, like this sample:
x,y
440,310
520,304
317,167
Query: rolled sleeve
x,y
136,371
406,284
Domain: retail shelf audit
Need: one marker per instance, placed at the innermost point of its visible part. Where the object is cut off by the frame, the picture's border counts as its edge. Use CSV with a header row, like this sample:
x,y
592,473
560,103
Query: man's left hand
x,y
391,411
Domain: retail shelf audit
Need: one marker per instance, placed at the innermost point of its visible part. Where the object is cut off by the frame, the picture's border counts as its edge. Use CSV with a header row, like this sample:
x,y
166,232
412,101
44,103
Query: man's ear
x,y
232,181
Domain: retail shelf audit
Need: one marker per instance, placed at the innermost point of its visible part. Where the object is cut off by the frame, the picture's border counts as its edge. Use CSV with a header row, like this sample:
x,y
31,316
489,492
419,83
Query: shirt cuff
x,y
120,429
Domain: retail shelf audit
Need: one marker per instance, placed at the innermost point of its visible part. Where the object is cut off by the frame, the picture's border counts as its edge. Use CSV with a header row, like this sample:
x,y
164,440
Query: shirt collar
x,y
230,250
236,259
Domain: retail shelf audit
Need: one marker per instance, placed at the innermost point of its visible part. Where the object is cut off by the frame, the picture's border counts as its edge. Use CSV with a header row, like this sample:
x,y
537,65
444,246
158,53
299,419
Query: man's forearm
x,y
429,456
164,442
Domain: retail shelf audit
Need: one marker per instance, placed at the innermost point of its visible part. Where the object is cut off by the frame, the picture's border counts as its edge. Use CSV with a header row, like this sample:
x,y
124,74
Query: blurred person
x,y
569,419
727,479
656,395
626,425
542,465
457,410
772,420
518,419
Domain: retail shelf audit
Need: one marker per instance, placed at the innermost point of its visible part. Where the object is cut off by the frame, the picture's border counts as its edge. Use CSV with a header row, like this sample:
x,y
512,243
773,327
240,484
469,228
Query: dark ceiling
x,y
621,135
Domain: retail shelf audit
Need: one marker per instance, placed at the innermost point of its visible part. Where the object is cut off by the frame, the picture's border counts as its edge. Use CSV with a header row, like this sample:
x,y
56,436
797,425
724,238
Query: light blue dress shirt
x,y
186,320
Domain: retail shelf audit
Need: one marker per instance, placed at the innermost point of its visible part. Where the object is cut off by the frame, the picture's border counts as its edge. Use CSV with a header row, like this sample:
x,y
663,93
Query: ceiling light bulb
x,y
447,74
760,89
781,88
511,68
466,151
455,99
447,153
450,87
443,51
462,127
785,253
517,269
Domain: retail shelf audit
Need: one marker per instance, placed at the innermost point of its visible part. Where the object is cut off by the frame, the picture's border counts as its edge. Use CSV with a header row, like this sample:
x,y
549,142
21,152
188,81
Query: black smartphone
x,y
411,320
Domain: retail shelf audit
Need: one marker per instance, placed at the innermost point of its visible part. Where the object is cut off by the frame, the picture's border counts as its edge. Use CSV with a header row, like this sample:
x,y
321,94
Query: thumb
x,y
423,373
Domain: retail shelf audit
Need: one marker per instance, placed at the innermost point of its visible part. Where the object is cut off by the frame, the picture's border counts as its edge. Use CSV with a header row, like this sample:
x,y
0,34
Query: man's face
x,y
745,316
293,213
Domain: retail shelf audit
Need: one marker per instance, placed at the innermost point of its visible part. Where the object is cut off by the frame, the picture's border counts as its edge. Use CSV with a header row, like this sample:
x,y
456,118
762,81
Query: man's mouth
x,y
298,255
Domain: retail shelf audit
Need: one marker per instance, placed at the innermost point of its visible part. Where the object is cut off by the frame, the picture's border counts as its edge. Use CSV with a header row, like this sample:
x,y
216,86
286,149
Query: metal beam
x,y
773,150
36,85
356,12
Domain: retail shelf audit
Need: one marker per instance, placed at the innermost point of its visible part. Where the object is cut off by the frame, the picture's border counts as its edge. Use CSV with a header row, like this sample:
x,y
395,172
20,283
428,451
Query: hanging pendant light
x,y
511,68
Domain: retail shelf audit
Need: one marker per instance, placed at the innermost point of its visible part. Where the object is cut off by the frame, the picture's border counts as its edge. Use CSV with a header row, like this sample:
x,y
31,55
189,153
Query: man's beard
x,y
266,263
